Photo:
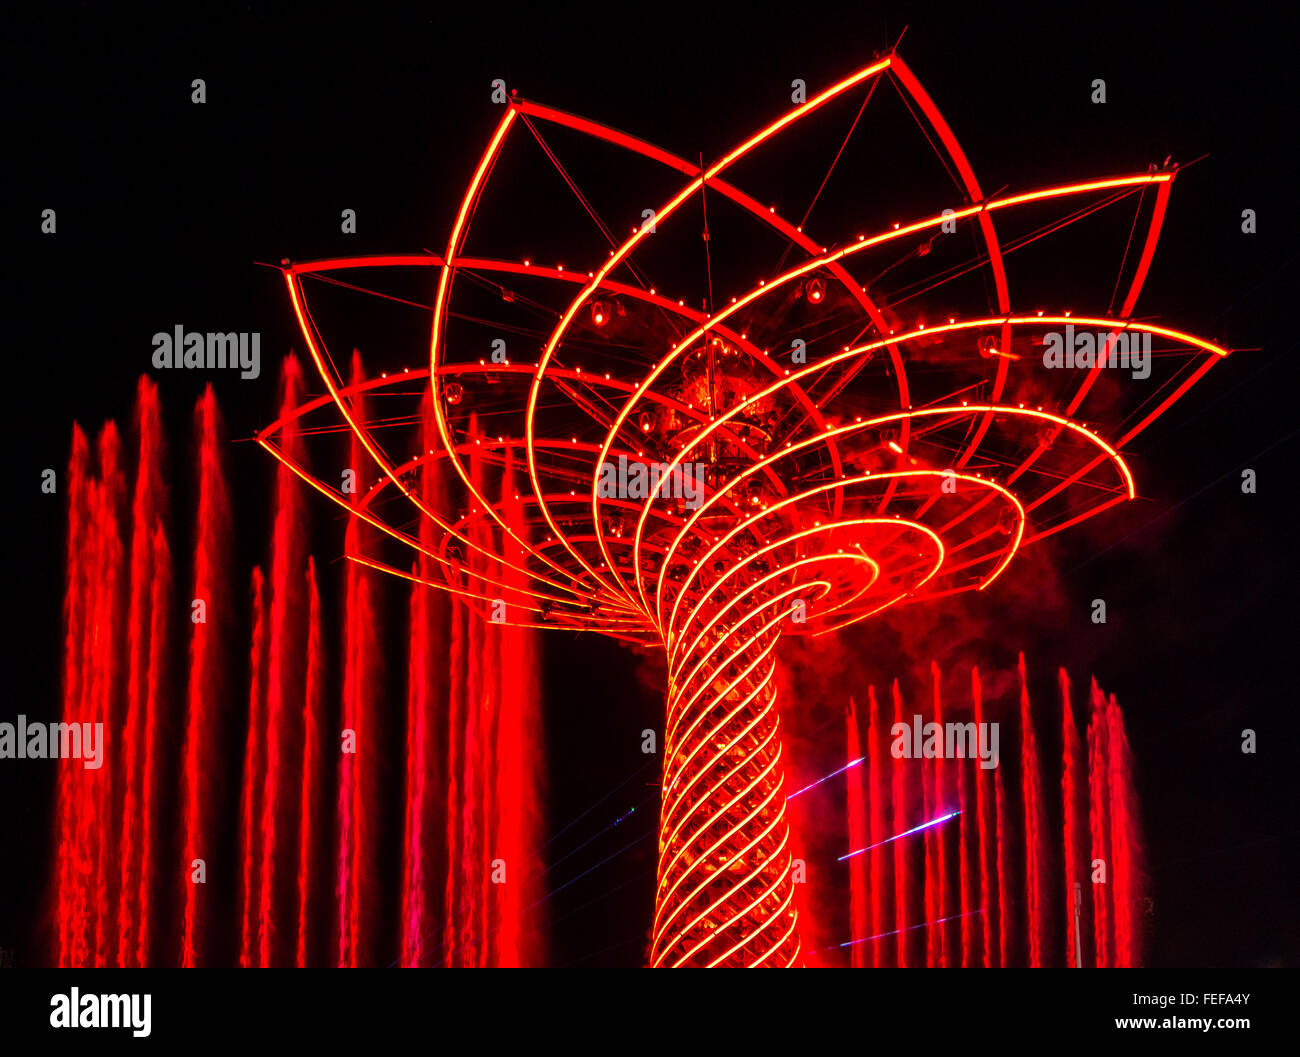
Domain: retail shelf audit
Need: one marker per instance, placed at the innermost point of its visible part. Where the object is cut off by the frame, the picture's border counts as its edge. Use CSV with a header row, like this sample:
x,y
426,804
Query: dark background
x,y
165,208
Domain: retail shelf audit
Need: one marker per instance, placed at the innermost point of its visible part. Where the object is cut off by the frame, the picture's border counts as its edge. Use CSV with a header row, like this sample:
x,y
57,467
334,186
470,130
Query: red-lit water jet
x,y
202,784
859,834
426,764
1034,832
251,783
312,798
143,658
357,840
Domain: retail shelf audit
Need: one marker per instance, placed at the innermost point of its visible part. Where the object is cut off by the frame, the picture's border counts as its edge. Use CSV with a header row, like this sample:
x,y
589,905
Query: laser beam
x,y
905,833
911,928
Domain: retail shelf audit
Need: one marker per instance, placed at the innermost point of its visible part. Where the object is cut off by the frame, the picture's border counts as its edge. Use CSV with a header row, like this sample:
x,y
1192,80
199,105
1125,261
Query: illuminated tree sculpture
x,y
788,460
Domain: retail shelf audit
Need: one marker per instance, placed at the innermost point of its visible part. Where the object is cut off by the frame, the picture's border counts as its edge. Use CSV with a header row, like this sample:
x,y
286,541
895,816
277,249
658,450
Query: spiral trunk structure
x,y
724,893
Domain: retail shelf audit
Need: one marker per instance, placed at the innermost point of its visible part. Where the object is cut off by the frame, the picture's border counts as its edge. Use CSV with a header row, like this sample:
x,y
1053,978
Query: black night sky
x,y
167,211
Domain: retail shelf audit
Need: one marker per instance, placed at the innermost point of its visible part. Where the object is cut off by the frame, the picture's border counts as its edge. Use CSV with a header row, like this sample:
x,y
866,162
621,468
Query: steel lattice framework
x,y
886,464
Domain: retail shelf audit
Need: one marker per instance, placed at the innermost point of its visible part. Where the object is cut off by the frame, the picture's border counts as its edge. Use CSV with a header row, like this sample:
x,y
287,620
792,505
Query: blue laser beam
x,y
847,766
909,928
905,833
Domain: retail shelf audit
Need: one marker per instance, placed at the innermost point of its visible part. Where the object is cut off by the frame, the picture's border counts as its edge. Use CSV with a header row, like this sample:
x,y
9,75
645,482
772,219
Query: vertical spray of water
x,y
286,664
419,722
859,834
455,781
1035,831
75,678
358,846
107,641
929,841
900,805
1128,876
493,785
200,782
1006,919
364,900
85,832
965,847
1099,809
1074,777
147,504
942,797
156,732
427,689
984,807
880,894
518,776
473,873
250,806
344,883
312,797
